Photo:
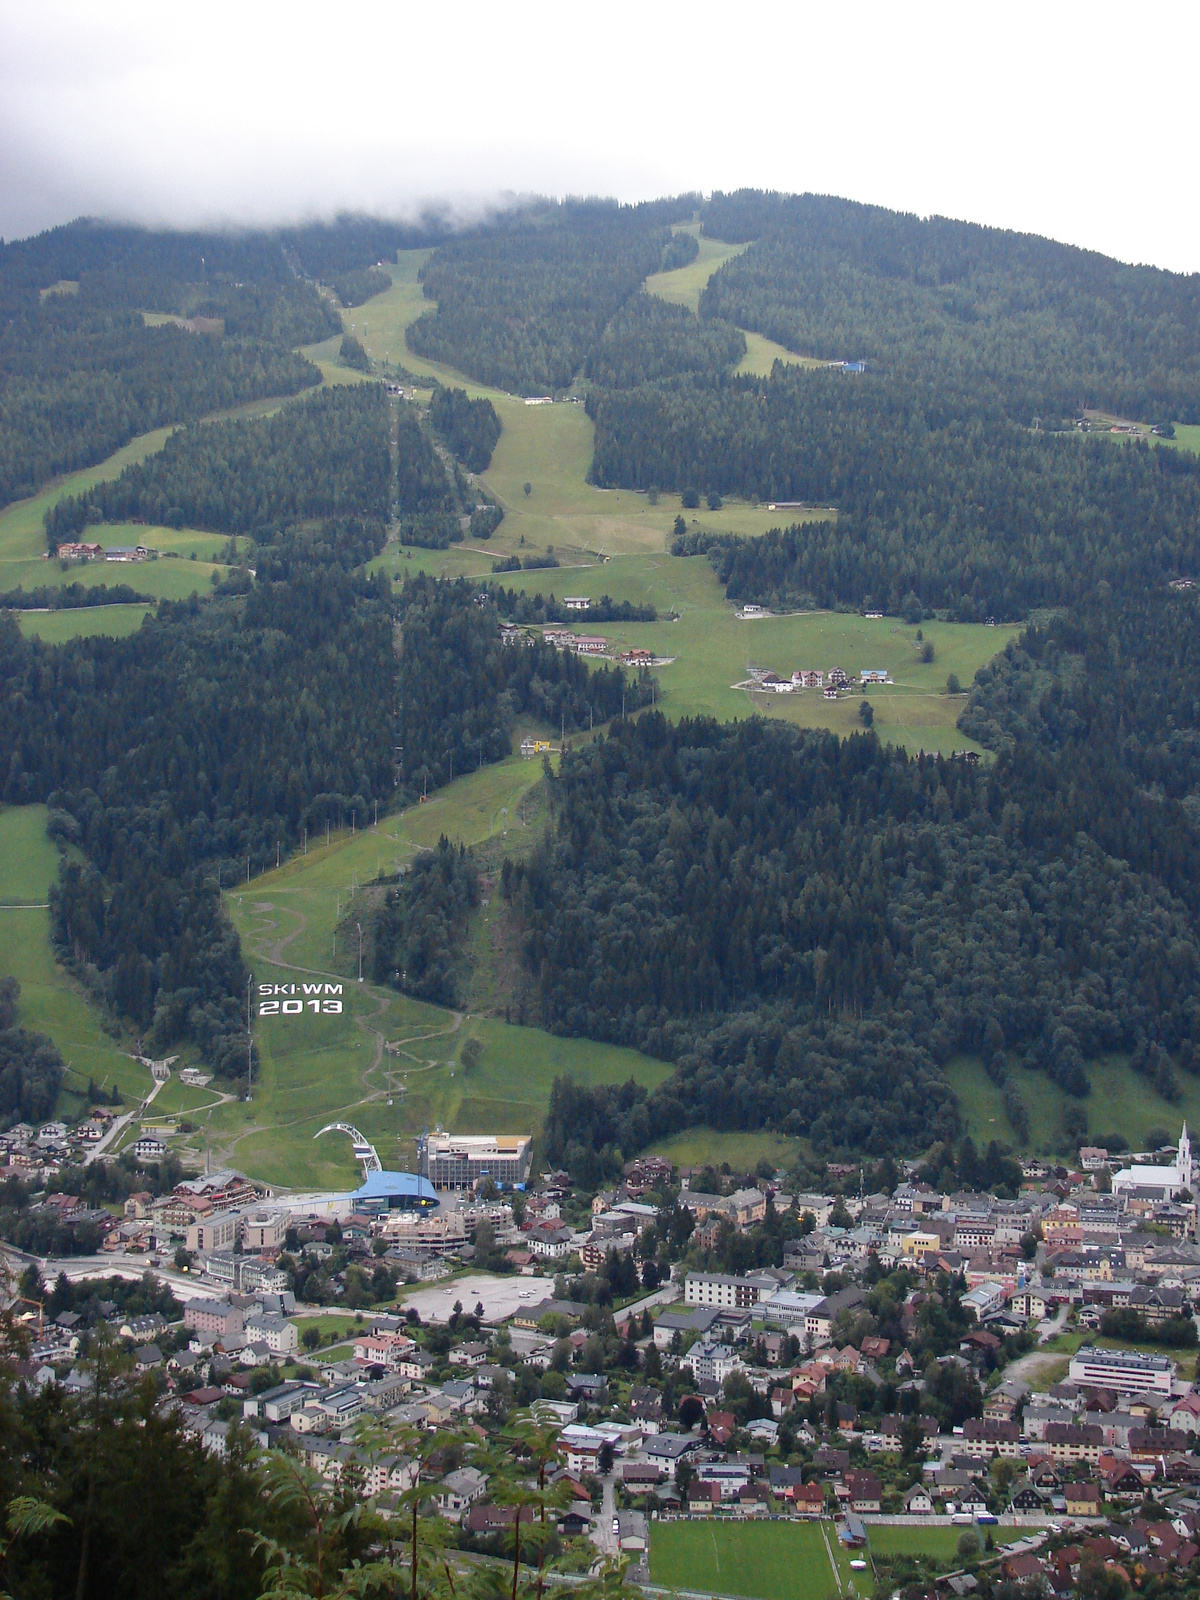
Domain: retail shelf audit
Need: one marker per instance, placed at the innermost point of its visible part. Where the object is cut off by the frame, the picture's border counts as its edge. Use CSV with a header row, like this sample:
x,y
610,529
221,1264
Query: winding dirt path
x,y
378,1081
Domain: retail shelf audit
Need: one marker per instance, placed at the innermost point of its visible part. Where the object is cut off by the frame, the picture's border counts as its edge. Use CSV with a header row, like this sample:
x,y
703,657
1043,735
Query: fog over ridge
x,y
264,114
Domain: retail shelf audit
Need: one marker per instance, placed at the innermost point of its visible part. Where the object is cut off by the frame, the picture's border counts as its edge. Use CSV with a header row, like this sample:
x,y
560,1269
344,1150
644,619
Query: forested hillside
x,y
326,456
812,929
960,508
520,307
216,732
649,339
470,427
460,687
77,383
1044,328
428,501
947,460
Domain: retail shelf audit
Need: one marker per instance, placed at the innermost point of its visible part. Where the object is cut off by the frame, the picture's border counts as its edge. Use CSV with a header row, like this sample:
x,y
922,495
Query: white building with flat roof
x,y
1128,1371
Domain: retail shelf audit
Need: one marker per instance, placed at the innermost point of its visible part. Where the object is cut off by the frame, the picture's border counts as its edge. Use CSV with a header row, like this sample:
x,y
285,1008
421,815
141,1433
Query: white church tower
x,y
1184,1159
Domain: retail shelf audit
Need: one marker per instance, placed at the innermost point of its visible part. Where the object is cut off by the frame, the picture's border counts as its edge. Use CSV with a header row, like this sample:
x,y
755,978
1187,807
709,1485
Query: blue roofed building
x,y
395,1191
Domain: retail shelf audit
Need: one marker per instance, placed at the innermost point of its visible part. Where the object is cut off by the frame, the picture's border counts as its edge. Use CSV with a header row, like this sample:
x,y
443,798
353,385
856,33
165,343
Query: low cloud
x,y
266,113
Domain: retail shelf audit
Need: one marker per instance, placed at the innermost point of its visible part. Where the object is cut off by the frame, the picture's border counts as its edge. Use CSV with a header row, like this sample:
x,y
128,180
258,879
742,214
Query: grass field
x,y
1120,1102
763,1560
700,1147
83,622
50,1002
712,649
1187,437
914,1540
762,354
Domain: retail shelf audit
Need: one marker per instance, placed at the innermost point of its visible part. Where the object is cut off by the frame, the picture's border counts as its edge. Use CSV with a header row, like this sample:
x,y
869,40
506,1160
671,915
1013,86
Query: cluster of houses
x,y
831,683
82,550
37,1154
580,644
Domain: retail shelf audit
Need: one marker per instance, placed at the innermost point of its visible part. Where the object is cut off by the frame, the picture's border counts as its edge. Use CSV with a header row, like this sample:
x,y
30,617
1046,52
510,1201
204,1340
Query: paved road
x,y
603,1537
660,1297
185,1286
1054,1326
102,1146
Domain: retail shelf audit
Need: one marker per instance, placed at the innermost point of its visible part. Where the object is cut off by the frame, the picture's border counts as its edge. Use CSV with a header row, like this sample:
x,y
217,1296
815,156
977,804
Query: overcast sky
x,y
1069,120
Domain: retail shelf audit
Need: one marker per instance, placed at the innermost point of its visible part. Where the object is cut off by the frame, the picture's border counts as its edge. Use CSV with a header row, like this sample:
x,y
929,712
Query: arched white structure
x,y
364,1150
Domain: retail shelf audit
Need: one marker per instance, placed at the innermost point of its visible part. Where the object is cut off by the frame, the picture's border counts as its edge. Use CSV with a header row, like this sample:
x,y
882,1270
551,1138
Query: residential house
x,y
866,1492
458,1491
1083,1499
918,1501
277,1333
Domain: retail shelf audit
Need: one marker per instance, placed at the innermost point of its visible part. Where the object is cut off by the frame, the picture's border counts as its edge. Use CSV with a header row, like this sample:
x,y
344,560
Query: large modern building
x,y
380,1191
718,1289
461,1160
1127,1371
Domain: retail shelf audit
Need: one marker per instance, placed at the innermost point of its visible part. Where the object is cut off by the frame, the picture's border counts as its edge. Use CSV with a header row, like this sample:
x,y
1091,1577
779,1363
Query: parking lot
x,y
501,1297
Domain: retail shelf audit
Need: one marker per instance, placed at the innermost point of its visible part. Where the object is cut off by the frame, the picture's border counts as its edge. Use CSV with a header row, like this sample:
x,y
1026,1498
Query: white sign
x,y
296,998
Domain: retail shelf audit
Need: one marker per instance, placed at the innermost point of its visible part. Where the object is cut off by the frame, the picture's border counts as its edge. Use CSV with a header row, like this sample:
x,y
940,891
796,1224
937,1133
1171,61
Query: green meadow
x,y
711,649
699,1147
914,1540
56,627
762,354
1120,1102
1187,437
50,1001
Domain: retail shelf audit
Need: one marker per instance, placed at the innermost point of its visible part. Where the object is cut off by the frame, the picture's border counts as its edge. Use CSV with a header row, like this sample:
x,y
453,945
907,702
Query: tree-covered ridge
x,y
811,929
216,732
680,249
516,605
649,340
521,306
72,597
471,428
430,501
1045,327
76,384
91,252
1117,676
419,931
360,284
460,687
946,501
325,456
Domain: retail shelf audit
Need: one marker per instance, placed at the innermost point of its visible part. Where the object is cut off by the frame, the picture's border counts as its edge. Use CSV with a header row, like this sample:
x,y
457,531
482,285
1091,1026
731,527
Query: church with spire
x,y
1158,1183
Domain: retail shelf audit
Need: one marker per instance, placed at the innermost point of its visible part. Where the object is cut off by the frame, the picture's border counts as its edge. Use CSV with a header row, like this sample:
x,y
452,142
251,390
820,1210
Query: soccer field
x,y
762,1560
